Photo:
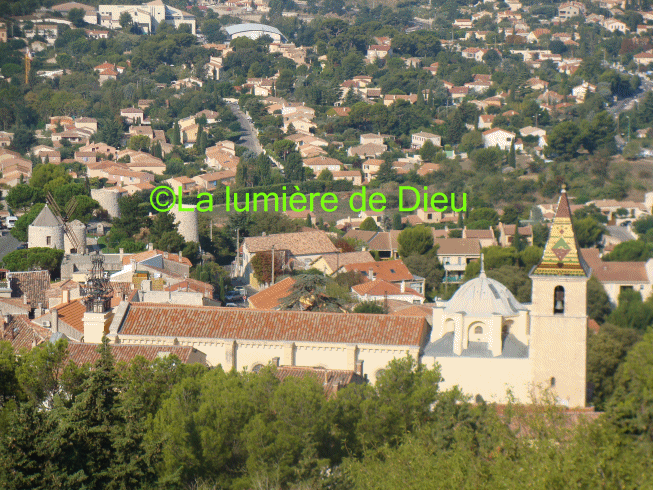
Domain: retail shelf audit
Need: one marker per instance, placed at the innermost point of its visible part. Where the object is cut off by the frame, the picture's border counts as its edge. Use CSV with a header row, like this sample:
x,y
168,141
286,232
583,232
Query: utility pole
x,y
238,250
211,231
272,282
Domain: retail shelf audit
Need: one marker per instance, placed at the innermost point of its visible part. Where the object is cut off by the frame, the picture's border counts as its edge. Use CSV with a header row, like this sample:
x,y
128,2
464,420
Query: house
x,y
374,139
210,181
370,168
318,164
507,233
271,298
485,237
619,276
369,150
354,176
537,84
330,264
485,121
379,291
498,137
644,58
378,51
463,23
613,25
455,254
299,249
132,114
418,139
391,271
571,9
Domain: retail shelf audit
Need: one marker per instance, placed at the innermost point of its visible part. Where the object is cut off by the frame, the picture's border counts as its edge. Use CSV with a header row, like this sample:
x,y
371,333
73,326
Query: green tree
x,y
368,224
76,16
21,197
512,156
606,350
415,241
630,405
564,140
598,302
126,21
34,258
19,231
386,173
630,251
139,142
588,231
311,292
428,151
488,159
23,140
369,307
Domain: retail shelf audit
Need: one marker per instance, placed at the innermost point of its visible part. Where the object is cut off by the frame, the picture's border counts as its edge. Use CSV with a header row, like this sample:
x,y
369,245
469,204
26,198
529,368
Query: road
x,y
620,233
248,138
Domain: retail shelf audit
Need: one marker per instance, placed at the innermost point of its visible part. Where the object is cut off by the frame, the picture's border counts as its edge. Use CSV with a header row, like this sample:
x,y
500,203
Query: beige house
x,y
507,233
329,264
619,276
455,254
418,139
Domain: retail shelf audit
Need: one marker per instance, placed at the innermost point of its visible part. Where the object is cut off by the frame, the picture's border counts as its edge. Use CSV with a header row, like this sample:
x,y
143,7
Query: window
x,y
478,330
48,240
257,368
559,300
552,382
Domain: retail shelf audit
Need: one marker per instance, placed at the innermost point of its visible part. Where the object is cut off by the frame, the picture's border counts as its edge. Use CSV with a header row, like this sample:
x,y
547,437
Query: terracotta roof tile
x,y
332,380
146,319
270,298
614,271
84,353
388,270
458,246
301,243
379,287
21,332
72,313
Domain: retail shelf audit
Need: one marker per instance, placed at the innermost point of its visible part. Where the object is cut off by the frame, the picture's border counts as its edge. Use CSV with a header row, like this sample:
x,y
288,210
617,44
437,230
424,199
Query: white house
x,y
498,137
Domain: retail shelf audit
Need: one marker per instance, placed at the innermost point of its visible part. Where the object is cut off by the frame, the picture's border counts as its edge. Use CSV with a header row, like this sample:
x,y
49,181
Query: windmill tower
x,y
75,231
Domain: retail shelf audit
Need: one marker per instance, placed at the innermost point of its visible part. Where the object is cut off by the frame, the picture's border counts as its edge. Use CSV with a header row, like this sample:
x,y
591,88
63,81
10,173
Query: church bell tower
x,y
559,313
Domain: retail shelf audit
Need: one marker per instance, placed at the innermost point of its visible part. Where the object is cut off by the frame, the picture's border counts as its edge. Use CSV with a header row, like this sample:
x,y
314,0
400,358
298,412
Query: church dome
x,y
483,296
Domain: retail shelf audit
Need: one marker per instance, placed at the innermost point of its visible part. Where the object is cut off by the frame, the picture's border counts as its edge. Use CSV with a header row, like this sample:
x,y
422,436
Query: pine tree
x,y
512,156
176,135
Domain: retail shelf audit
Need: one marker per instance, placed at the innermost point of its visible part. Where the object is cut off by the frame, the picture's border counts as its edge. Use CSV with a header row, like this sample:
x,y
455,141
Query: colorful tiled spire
x,y
561,254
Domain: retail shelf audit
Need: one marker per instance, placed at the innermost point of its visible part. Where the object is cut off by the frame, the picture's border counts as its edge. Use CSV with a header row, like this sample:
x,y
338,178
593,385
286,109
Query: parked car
x,y
231,305
234,296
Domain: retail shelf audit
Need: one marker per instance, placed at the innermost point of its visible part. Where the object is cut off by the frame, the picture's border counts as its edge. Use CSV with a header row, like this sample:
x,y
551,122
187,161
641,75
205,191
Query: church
x,y
489,344
484,341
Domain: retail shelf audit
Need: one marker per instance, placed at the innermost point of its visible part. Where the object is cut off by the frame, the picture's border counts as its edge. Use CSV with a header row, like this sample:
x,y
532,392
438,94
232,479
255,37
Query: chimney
x,y
55,320
165,255
370,274
39,309
150,246
359,368
180,256
65,296
403,286
122,253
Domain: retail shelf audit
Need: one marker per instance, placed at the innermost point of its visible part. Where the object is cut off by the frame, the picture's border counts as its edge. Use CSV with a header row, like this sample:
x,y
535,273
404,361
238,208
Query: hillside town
x,y
276,244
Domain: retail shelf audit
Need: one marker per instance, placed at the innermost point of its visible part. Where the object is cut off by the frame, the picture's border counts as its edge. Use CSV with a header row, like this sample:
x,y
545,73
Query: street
x,y
248,138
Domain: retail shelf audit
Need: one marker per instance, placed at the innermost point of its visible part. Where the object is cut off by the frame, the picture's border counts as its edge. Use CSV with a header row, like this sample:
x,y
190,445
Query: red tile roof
x,y
88,353
146,319
270,298
629,272
72,313
332,380
379,287
21,332
388,270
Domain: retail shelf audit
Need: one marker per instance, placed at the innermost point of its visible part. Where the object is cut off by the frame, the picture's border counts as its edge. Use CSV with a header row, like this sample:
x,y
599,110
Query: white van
x,y
10,221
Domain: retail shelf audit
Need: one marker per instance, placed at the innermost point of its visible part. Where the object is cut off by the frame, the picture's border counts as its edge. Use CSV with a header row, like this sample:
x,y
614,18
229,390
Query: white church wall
x,y
487,377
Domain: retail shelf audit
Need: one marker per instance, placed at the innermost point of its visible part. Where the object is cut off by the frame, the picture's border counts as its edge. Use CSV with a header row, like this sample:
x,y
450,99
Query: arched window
x,y
257,368
553,382
478,330
559,300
